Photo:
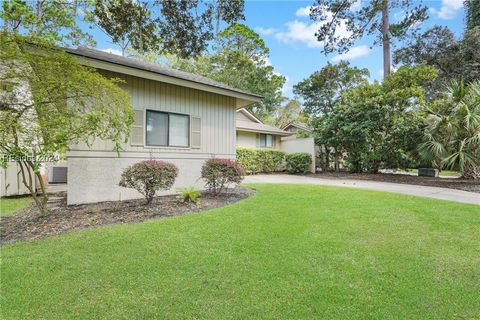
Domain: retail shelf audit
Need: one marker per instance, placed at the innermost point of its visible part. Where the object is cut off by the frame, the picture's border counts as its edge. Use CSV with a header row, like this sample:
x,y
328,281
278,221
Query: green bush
x,y
190,195
219,173
147,177
298,162
260,160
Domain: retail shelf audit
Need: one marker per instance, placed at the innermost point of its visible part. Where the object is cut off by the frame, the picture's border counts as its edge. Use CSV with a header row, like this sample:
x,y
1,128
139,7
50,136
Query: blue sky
x,y
289,33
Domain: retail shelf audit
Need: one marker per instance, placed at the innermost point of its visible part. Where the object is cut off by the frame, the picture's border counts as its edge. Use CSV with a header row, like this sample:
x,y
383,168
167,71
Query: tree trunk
x,y
471,171
386,40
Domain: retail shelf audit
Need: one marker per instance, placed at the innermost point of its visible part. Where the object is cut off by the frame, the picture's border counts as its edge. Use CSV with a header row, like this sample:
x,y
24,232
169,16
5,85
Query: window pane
x,y
179,130
157,128
263,140
269,140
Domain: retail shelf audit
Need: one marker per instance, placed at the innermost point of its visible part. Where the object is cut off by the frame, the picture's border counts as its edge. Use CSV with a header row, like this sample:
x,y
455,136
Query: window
x,y
266,141
167,129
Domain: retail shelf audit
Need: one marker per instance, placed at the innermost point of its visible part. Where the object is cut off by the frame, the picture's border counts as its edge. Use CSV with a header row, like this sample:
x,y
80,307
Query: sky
x,y
287,30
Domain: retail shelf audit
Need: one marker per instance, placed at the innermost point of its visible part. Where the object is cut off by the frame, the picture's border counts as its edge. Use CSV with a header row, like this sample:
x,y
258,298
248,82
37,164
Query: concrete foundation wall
x,y
96,179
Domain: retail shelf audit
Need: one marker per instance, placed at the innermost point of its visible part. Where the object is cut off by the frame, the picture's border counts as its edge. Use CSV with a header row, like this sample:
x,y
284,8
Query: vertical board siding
x,y
217,115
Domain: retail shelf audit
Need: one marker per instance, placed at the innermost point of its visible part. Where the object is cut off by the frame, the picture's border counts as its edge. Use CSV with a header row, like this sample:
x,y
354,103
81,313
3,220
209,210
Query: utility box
x,y
427,172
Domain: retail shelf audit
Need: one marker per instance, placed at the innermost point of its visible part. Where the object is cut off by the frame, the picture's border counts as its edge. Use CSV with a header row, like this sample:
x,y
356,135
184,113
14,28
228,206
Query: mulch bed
x,y
451,183
28,225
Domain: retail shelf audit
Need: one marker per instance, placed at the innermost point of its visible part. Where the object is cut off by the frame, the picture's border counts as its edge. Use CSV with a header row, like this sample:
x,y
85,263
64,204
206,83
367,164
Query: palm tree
x,y
452,131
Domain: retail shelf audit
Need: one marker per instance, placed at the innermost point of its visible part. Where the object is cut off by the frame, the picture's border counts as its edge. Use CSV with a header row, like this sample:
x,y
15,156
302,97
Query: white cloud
x,y
304,32
265,31
355,52
303,12
113,51
449,9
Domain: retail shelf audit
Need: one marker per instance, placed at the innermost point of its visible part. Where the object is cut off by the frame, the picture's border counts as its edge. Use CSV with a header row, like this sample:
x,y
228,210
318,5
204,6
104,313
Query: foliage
x,y
127,22
292,111
260,160
472,9
452,133
148,177
49,20
190,195
322,93
372,19
298,162
452,58
377,124
186,25
49,101
239,59
219,173
322,90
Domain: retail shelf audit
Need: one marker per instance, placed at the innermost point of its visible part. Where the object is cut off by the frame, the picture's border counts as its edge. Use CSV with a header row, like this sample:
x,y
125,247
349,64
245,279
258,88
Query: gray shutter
x,y
137,133
258,140
195,132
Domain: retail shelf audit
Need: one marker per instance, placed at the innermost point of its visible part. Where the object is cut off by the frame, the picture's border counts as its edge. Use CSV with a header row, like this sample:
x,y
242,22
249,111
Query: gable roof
x,y
255,125
107,61
298,125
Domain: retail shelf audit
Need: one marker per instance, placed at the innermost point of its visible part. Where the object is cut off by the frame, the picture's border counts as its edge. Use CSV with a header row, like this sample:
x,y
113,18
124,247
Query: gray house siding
x,y
94,172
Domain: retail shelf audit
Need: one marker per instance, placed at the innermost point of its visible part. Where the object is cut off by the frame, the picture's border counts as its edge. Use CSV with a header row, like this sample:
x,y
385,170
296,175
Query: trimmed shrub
x,y
260,160
147,177
298,162
219,173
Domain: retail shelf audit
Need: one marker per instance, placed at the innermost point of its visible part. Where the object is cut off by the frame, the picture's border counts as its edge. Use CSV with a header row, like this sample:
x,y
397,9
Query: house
x,y
179,117
298,128
253,133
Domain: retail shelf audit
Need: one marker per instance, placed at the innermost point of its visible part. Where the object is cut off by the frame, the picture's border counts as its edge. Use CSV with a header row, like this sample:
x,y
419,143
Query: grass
x,y
289,252
9,206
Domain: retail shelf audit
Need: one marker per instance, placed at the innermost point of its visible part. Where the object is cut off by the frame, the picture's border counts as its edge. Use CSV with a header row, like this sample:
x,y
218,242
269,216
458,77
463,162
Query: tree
x,y
48,102
127,22
452,133
321,94
229,11
371,19
288,113
472,9
186,26
452,58
51,20
239,59
377,125
322,90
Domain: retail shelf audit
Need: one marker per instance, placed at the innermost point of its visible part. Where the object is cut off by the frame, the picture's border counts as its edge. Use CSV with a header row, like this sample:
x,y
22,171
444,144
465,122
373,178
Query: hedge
x,y
260,160
298,162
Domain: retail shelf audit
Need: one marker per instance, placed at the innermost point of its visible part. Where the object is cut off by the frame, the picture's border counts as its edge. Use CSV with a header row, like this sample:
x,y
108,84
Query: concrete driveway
x,y
422,191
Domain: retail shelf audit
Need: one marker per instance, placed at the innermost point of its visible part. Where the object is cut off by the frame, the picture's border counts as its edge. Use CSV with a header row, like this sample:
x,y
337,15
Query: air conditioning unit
x,y
58,174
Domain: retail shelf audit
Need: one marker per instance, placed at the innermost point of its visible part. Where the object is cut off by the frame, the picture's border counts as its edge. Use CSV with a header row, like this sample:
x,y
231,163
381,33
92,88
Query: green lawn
x,y
289,252
9,206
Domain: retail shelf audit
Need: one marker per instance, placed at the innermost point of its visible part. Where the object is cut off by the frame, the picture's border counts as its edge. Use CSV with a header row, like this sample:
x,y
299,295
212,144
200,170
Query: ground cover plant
x,y
276,255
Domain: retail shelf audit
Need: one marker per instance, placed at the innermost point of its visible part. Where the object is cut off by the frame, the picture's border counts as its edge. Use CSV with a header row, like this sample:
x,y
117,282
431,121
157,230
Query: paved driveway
x,y
422,191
